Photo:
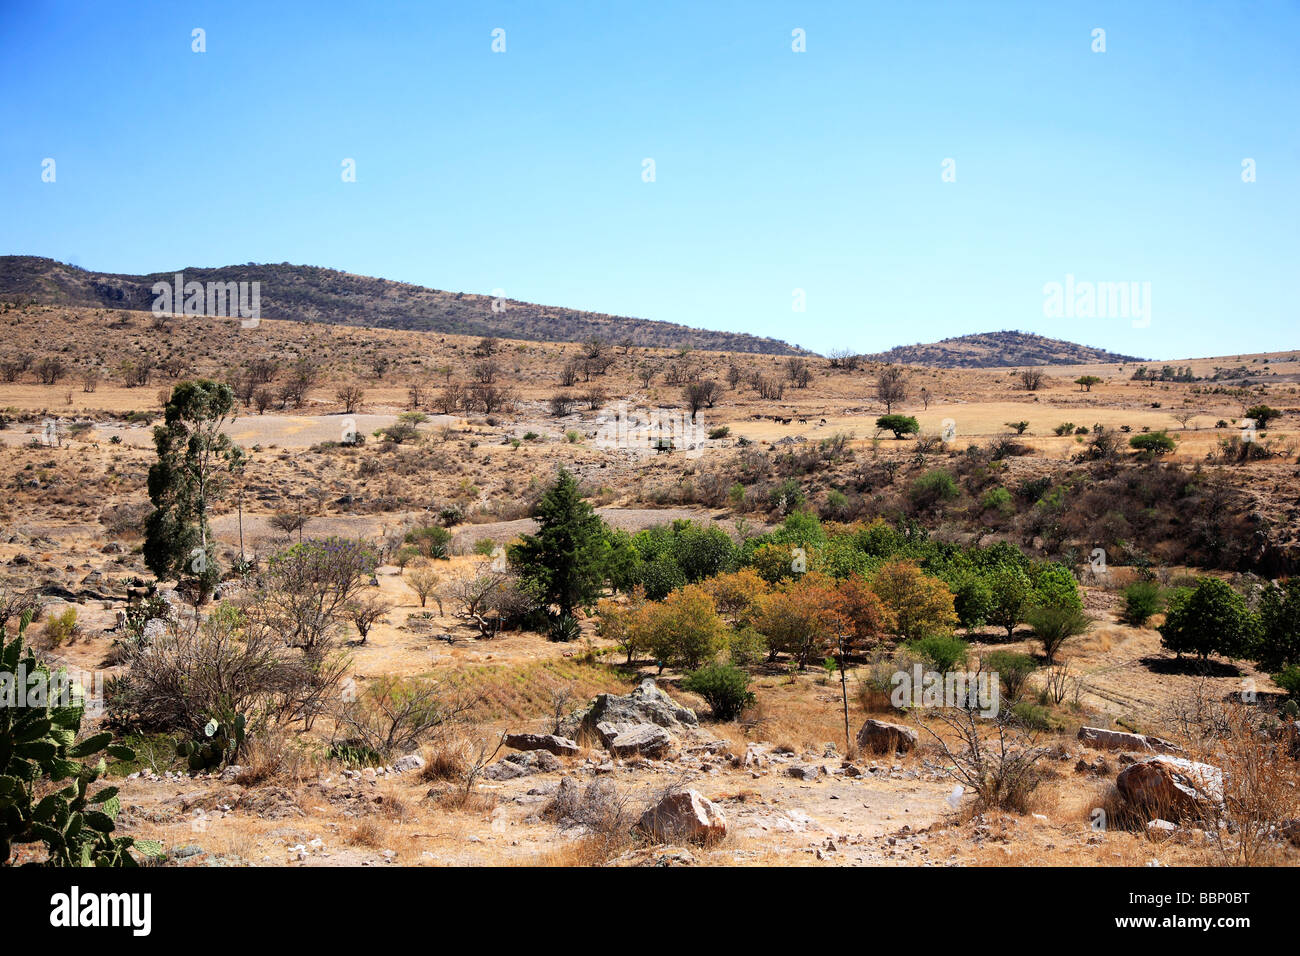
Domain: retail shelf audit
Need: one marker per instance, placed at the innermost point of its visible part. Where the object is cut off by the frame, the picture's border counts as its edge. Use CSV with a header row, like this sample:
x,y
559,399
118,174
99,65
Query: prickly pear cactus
x,y
38,733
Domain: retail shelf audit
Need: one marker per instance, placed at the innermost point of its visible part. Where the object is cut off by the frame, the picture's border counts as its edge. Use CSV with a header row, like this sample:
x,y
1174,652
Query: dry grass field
x,y
72,517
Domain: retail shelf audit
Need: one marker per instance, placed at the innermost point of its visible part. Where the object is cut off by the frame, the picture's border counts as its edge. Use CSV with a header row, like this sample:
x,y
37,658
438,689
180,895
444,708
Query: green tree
x,y
1153,444
1211,618
1010,592
900,425
564,564
1279,639
1086,382
192,456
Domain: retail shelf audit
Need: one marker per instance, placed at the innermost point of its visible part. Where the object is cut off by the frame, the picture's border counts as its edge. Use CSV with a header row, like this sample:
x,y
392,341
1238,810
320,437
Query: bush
x,y
934,486
999,500
941,652
900,425
724,687
1054,625
1141,600
61,628
1012,670
1033,716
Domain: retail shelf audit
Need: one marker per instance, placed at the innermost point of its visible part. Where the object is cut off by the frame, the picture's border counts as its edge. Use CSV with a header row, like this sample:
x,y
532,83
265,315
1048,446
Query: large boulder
x,y
881,737
551,743
685,816
1171,787
647,740
1101,739
645,705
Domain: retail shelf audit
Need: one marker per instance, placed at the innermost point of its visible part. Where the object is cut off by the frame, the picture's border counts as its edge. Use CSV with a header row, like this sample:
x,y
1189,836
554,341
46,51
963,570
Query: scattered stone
x,y
408,763
684,816
809,771
880,737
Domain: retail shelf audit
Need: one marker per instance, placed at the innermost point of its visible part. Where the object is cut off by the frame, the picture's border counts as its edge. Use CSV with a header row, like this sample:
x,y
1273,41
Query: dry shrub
x,y
601,811
1259,815
992,757
370,833
444,760
274,756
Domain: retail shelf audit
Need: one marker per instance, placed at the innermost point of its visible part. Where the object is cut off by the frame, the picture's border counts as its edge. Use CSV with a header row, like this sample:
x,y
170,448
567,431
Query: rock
x,y
1161,828
1172,786
645,705
804,771
685,816
1101,739
560,746
647,740
231,773
522,765
880,737
409,762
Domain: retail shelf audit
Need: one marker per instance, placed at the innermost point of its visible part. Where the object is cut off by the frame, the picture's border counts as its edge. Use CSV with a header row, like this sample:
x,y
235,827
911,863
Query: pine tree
x,y
564,563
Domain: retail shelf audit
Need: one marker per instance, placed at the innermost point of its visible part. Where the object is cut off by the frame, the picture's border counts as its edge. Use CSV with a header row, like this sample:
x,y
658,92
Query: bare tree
x,y
350,396
365,612
891,387
1032,379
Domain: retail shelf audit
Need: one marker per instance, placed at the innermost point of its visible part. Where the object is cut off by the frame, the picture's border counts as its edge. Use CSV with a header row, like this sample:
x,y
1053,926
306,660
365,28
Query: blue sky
x,y
774,170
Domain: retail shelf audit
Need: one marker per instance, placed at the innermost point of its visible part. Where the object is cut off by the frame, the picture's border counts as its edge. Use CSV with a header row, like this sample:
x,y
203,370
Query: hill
x,y
999,350
313,294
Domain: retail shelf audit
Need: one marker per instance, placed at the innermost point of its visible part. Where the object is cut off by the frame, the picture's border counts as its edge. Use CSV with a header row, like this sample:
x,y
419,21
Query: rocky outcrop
x,y
684,817
645,705
880,737
1101,739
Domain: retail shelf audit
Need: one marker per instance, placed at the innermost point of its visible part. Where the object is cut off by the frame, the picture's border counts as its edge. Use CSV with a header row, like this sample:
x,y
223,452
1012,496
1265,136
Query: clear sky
x,y
773,170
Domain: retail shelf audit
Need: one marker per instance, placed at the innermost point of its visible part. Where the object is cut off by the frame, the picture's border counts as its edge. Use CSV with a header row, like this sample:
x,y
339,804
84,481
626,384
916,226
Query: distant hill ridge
x,y
314,294
999,350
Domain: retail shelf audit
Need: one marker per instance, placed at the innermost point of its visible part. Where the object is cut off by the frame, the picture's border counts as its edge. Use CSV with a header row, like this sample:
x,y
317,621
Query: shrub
x,y
941,652
724,687
900,425
934,486
997,499
1054,625
1033,716
1012,670
61,628
1141,600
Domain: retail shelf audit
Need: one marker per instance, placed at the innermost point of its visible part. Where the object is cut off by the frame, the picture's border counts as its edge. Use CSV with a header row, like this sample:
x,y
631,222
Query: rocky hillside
x,y
312,294
999,350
